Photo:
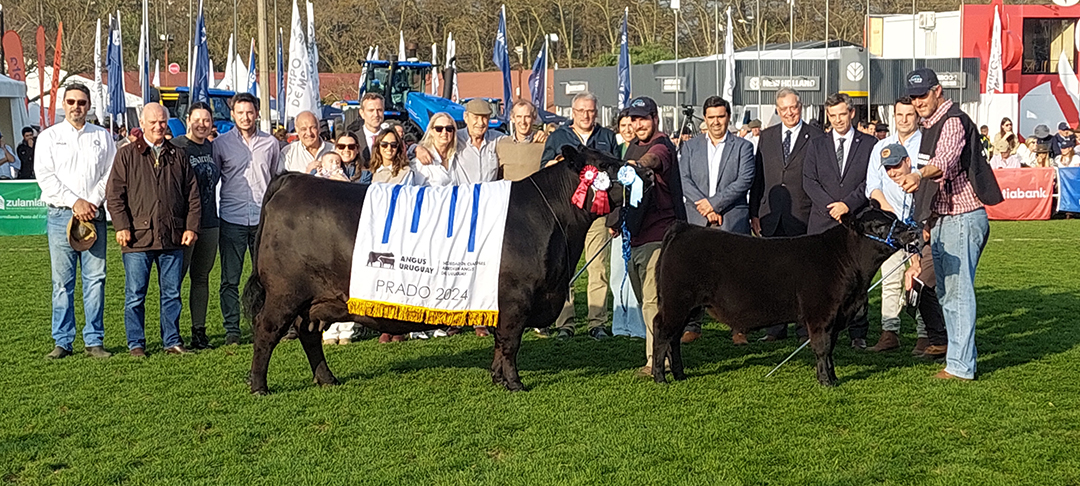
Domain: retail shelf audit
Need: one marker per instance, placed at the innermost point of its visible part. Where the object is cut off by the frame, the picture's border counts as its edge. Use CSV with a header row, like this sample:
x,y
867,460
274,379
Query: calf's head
x,y
883,227
577,158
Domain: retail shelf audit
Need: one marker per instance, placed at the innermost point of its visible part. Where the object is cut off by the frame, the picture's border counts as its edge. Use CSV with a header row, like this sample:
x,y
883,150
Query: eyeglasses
x,y
77,102
388,144
444,128
346,146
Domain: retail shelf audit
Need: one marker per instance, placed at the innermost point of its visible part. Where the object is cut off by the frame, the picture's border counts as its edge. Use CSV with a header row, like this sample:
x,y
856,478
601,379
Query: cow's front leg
x,y
823,339
507,344
311,340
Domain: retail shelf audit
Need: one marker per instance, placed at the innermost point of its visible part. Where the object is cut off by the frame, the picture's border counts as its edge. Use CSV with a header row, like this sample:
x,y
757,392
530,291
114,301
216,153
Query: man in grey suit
x,y
717,170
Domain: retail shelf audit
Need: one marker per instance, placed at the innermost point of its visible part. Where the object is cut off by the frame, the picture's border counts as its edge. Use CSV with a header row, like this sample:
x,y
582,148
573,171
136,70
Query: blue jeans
x,y
956,242
64,261
137,278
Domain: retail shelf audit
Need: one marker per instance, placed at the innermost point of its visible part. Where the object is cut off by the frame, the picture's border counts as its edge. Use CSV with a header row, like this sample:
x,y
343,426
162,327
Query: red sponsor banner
x,y
56,72
39,39
1028,194
13,51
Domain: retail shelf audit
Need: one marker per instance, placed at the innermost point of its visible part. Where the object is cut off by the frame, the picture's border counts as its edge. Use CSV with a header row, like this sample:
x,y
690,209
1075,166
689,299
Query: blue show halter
x,y
906,221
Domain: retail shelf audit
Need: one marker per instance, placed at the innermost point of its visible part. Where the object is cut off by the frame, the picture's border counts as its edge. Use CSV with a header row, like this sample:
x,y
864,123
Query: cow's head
x,y
882,226
577,158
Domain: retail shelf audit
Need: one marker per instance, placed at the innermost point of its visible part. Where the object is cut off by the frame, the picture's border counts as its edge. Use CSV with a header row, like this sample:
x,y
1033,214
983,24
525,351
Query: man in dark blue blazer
x,y
717,170
834,177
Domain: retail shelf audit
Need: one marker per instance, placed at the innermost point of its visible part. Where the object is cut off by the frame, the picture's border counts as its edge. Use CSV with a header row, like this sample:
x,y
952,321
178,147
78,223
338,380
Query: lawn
x,y
425,412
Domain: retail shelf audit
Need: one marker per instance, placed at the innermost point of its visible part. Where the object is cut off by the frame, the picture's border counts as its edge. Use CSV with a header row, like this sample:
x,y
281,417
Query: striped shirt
x,y
956,196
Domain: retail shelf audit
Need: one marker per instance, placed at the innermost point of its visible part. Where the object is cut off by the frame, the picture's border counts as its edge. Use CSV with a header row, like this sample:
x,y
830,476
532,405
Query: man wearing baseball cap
x,y
958,228
652,150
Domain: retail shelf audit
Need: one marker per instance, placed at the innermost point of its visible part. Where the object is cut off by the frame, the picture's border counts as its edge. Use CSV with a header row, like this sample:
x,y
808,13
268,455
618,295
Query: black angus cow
x,y
305,249
752,283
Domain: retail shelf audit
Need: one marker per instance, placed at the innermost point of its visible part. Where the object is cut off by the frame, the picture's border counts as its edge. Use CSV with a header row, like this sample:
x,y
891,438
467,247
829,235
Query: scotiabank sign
x,y
1028,194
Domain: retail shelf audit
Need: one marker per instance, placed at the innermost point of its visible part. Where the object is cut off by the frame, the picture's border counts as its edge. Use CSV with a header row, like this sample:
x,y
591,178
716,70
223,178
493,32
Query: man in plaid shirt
x,y
959,228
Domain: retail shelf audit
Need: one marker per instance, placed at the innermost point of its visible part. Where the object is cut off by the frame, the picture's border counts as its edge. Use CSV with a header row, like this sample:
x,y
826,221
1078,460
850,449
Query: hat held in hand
x,y
81,234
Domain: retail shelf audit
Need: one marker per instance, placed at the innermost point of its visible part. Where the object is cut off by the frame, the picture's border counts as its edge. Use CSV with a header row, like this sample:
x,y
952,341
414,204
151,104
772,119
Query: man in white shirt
x,y
753,132
892,198
73,160
717,170
309,148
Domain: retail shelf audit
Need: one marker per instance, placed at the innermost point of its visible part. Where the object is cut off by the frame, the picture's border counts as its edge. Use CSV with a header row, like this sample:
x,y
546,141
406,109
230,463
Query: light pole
x,y
554,38
520,50
678,83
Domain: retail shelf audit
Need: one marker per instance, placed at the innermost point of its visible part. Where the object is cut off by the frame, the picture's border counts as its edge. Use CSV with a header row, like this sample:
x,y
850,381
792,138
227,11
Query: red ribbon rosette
x,y
586,178
600,204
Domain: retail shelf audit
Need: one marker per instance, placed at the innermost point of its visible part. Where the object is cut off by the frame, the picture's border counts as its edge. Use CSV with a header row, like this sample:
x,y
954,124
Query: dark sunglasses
x,y
77,102
446,128
343,146
388,144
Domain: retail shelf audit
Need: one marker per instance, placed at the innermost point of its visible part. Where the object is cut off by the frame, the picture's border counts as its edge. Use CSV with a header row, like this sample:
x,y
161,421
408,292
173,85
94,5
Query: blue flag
x,y
538,79
1069,184
502,61
200,81
115,66
624,64
280,82
252,79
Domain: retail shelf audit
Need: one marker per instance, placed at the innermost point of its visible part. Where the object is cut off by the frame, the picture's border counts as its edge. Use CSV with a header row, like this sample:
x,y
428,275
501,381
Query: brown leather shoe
x,y
739,339
97,352
920,346
888,342
178,349
137,353
398,338
945,375
481,331
385,338
58,353
935,352
690,336
643,372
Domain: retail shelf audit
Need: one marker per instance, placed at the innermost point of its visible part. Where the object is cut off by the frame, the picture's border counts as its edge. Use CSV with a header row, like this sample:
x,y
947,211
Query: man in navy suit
x,y
778,204
834,177
717,170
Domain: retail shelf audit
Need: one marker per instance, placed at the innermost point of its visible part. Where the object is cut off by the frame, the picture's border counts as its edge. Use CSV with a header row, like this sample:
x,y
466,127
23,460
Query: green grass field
x,y
426,412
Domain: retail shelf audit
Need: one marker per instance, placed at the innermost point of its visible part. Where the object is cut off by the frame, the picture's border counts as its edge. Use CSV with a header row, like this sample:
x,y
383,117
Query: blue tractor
x,y
403,85
177,100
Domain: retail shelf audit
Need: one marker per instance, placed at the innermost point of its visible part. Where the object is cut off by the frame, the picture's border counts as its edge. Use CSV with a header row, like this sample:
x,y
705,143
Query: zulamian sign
x,y
773,83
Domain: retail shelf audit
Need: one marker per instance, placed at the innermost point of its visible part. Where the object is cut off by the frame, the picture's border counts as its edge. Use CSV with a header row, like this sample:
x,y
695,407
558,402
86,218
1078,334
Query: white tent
x,y
13,115
130,100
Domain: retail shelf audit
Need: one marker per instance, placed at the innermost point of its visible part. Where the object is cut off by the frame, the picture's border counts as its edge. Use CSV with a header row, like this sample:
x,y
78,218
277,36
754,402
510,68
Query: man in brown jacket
x,y
154,201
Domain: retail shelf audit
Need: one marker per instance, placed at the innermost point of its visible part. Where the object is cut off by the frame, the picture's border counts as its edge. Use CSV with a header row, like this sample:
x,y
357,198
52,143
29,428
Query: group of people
x,y
1040,149
786,180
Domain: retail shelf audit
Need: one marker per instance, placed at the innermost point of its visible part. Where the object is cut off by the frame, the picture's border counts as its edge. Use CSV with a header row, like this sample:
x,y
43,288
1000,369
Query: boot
x,y
934,353
920,346
889,341
199,339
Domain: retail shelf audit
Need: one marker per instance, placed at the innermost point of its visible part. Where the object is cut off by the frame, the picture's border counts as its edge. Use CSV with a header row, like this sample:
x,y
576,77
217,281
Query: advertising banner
x,y
21,210
1069,189
1028,194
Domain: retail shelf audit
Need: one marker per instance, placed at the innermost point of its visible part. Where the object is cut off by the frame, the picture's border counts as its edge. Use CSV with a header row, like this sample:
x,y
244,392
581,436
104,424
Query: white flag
x,y
313,60
228,82
729,60
98,101
157,76
363,73
298,96
434,71
401,46
995,79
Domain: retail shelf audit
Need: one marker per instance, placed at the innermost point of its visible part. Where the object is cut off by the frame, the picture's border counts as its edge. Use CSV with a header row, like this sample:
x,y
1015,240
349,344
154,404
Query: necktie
x,y
787,144
840,155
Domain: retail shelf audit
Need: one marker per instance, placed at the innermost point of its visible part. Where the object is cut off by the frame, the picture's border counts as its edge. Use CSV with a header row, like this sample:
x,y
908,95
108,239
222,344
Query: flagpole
x,y
869,83
914,30
960,71
678,82
264,68
757,37
826,71
716,43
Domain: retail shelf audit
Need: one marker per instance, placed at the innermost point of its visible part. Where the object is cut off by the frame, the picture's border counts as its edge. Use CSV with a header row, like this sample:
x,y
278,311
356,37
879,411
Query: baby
x,y
330,166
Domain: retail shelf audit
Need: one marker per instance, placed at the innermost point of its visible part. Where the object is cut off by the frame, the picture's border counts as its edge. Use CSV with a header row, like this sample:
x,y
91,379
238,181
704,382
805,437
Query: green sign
x,y
21,210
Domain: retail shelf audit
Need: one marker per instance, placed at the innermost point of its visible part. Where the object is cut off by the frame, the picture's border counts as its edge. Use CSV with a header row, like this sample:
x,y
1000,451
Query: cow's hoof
x,y
514,386
325,383
828,382
262,392
678,375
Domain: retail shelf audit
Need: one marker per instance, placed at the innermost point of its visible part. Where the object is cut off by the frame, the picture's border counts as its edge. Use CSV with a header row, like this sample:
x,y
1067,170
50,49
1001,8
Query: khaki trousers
x,y
643,278
597,290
